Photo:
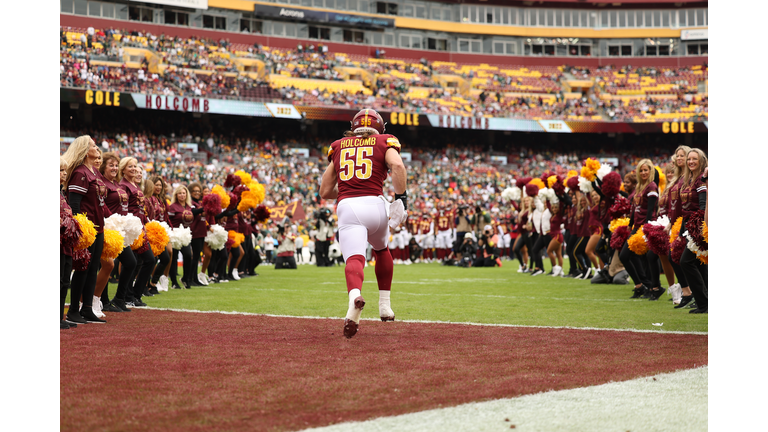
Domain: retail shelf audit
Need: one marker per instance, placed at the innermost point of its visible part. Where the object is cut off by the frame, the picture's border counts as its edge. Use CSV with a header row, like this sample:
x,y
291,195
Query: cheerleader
x,y
102,278
674,211
594,223
236,253
207,251
199,229
180,213
669,272
65,252
581,235
693,196
643,202
129,176
541,217
117,203
159,207
555,246
523,241
86,195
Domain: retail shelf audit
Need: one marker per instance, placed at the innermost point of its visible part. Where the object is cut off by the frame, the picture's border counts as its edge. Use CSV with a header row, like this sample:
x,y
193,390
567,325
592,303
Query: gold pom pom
x,y
674,233
158,237
551,180
139,242
218,190
705,231
637,243
538,182
617,223
113,244
245,177
88,231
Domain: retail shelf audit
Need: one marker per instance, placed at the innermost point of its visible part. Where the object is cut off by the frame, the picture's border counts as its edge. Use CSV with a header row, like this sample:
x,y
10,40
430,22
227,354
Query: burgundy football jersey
x,y
674,207
92,188
360,163
199,225
180,215
424,224
159,208
689,196
117,198
135,200
413,225
443,221
639,204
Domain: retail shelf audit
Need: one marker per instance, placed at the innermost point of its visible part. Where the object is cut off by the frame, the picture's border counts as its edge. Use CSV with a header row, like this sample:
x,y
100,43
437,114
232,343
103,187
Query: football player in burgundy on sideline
x,y
357,168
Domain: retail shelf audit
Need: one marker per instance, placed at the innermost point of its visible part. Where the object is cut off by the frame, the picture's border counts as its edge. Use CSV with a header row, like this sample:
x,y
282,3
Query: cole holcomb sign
x,y
324,17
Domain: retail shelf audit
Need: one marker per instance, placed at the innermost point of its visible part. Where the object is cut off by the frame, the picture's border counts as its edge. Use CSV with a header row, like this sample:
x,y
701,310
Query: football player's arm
x,y
397,168
328,187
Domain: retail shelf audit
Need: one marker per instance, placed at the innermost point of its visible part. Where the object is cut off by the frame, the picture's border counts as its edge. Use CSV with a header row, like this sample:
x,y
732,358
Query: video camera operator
x,y
463,226
467,249
488,252
324,236
286,248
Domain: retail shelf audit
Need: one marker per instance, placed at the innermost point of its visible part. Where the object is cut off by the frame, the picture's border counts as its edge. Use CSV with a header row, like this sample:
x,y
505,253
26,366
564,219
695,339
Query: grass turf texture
x,y
433,292
165,371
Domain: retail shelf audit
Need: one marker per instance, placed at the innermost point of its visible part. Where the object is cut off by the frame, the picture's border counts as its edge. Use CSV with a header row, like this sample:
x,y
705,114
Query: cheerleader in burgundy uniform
x,y
207,251
235,254
243,269
581,235
523,241
158,207
693,197
570,236
674,211
117,203
130,178
86,195
182,214
643,201
102,278
65,252
555,247
199,231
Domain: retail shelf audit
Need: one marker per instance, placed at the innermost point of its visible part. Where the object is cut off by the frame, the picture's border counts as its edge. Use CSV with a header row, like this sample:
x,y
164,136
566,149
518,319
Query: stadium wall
x,y
368,50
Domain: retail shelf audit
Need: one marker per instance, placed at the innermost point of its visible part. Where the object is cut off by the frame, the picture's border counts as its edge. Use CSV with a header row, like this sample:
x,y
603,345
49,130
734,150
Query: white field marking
x,y
674,401
434,322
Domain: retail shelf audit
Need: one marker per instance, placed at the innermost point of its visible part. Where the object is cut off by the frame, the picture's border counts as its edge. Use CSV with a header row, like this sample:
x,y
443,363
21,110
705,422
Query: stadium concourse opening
x,y
230,133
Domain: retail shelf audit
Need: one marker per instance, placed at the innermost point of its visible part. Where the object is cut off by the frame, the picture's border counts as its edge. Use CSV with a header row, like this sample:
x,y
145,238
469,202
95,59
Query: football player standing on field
x,y
357,168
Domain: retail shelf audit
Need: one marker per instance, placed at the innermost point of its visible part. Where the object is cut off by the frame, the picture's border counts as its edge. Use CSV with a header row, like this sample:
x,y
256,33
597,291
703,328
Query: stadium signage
x,y
675,127
402,118
462,122
99,97
176,103
361,21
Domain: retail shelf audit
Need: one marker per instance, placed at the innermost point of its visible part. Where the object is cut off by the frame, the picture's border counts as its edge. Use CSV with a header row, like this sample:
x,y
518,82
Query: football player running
x,y
357,168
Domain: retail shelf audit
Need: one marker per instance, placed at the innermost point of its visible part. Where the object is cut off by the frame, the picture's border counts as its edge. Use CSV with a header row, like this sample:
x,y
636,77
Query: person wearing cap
x,y
487,252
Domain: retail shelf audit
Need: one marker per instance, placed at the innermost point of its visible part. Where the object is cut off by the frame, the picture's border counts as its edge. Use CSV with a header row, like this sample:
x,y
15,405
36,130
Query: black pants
x,y
127,261
84,282
221,263
541,245
580,251
186,254
254,262
679,273
145,264
654,269
162,262
697,275
524,240
245,263
483,262
268,255
604,251
634,265
570,248
321,249
235,254
197,250
286,262
65,271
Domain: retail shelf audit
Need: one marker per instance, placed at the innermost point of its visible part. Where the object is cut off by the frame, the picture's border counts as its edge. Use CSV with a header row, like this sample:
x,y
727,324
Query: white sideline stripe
x,y
429,322
667,402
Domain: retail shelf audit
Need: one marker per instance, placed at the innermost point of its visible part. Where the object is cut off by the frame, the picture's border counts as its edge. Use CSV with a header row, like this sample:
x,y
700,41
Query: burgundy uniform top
x,y
570,219
117,198
233,223
522,220
360,163
581,223
199,224
180,215
443,221
242,226
66,250
92,188
413,226
689,196
135,200
599,214
424,224
556,219
639,205
159,208
674,206
664,203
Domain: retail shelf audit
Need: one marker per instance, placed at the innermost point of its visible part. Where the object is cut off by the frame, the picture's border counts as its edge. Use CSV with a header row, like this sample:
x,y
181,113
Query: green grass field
x,y
432,292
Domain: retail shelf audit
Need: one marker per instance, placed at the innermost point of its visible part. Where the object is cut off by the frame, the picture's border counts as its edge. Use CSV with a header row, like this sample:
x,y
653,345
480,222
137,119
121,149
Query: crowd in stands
x,y
205,67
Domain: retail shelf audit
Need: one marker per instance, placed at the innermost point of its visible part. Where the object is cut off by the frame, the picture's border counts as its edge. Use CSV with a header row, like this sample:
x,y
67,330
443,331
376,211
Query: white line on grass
x,y
667,402
434,322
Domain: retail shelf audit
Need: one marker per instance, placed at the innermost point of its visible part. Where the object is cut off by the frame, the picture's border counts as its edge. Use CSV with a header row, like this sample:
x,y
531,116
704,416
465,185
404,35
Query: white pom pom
x,y
128,226
585,185
511,194
217,238
604,169
662,221
180,237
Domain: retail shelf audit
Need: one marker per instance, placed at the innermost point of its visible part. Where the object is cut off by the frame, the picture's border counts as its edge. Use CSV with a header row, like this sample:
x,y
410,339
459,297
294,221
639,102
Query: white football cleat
x,y
356,304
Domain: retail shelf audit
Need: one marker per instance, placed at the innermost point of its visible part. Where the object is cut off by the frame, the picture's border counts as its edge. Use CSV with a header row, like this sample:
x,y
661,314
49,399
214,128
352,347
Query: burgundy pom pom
x,y
233,201
677,248
545,176
261,213
523,181
145,247
558,187
232,180
531,190
657,239
212,204
70,230
81,259
239,189
573,183
611,184
620,208
694,222
229,243
619,236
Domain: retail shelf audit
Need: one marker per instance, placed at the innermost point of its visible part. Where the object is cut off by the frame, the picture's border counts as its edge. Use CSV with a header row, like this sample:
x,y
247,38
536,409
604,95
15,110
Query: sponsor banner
x,y
187,146
283,111
695,34
276,214
193,4
200,105
293,13
299,151
555,126
406,156
499,159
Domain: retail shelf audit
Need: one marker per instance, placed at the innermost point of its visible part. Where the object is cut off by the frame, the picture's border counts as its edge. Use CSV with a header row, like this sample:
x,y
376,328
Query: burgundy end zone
x,y
173,371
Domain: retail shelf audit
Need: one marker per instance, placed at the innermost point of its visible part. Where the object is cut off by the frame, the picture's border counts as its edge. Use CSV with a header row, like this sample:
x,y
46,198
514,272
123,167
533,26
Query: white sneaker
x,y
407,262
162,283
537,272
97,307
201,277
677,293
520,269
586,274
557,271
235,275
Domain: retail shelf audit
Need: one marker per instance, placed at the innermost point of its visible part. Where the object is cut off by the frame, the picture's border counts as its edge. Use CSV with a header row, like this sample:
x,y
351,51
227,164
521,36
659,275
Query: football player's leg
x,y
384,267
352,235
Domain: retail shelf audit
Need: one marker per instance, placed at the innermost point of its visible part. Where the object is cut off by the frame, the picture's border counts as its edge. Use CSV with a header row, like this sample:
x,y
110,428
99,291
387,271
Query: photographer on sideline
x,y
286,248
487,252
463,226
324,236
